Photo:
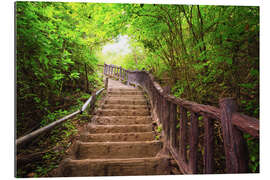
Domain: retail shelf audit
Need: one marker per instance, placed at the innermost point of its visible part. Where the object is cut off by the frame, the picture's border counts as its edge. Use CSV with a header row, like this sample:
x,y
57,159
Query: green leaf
x,y
74,75
247,85
37,100
253,158
229,61
58,77
254,72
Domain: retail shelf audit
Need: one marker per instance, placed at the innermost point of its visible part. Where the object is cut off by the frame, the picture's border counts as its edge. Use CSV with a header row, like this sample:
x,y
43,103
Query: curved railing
x,y
27,138
182,143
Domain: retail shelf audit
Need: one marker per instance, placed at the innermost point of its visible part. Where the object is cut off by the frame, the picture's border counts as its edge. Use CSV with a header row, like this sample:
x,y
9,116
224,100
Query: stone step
x,y
122,120
126,106
139,97
115,150
117,137
121,93
119,128
113,167
131,98
125,101
124,89
122,112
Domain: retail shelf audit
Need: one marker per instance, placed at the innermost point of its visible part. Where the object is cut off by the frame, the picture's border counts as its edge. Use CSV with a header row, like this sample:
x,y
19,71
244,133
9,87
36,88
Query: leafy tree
x,y
203,52
54,48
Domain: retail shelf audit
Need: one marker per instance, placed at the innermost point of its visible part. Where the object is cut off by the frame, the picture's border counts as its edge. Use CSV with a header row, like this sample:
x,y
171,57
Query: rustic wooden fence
x,y
185,123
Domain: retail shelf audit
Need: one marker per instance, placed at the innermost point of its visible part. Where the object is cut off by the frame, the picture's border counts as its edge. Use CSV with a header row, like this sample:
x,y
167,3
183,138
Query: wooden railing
x,y
196,122
27,138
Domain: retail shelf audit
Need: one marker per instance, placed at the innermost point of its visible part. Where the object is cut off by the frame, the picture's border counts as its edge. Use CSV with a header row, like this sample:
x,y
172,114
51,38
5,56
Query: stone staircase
x,y
119,141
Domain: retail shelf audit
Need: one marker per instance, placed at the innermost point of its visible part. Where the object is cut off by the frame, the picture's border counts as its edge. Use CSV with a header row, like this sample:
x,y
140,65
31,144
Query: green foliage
x,y
205,52
159,129
74,75
69,129
54,42
53,117
253,148
178,89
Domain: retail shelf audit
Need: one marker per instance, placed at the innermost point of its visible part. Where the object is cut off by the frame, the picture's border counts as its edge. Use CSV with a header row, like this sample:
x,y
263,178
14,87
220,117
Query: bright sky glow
x,y
121,46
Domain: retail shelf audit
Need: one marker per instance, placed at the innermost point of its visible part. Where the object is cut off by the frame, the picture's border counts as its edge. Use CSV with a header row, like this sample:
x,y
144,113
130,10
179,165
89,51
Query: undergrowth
x,y
54,145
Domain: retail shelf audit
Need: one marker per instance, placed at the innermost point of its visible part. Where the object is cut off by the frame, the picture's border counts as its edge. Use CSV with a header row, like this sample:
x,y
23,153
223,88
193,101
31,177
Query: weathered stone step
x,y
125,101
124,89
118,128
113,167
113,150
122,120
117,137
122,112
140,97
124,98
125,93
131,98
126,106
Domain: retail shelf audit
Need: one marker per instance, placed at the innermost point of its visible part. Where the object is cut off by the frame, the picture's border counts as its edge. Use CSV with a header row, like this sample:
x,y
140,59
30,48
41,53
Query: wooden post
x,y
183,133
92,103
208,160
193,143
105,69
111,71
159,105
111,68
166,117
106,83
166,120
234,143
127,78
156,103
173,125
120,73
119,77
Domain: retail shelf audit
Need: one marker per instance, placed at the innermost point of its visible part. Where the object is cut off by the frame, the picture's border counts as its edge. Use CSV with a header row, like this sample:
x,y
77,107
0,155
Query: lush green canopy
x,y
202,52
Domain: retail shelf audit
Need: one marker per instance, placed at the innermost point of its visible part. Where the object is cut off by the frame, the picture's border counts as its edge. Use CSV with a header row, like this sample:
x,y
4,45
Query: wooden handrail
x,y
165,108
27,138
247,124
90,99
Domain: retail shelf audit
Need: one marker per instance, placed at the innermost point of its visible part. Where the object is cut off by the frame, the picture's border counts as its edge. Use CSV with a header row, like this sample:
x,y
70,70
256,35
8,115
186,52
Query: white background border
x,y
7,86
